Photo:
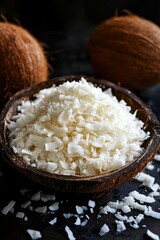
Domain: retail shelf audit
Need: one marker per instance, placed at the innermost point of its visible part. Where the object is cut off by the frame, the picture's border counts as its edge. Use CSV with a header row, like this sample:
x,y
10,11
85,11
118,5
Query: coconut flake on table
x,y
34,234
20,214
150,167
54,206
36,197
53,221
152,235
151,213
78,221
69,233
26,204
141,197
120,226
157,157
79,209
8,208
47,197
145,178
42,209
104,229
77,121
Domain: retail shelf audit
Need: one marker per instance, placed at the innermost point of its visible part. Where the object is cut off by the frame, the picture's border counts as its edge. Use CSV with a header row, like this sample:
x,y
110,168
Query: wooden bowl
x,y
82,184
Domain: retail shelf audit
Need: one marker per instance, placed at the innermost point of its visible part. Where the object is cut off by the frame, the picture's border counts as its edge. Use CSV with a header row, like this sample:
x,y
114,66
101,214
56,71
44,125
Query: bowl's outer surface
x,y
82,184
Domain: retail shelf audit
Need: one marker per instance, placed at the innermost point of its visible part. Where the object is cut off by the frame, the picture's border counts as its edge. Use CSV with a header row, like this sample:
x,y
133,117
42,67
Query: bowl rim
x,y
147,154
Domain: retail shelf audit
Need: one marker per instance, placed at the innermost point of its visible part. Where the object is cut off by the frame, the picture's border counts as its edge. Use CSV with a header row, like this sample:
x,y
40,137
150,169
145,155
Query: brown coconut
x,y
126,51
22,60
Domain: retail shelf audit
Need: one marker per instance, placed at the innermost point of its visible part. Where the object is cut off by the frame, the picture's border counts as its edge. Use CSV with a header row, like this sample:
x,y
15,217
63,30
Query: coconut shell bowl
x,y
79,183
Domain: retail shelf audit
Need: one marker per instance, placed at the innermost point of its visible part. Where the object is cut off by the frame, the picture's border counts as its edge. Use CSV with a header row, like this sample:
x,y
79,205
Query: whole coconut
x,y
22,60
126,50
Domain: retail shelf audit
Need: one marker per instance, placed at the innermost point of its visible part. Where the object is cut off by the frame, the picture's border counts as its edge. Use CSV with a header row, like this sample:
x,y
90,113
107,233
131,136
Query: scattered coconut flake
x,y
52,222
139,218
120,217
34,234
126,209
69,233
78,221
107,209
91,203
150,212
157,157
67,215
141,197
26,218
12,210
152,235
87,216
36,197
104,229
27,204
120,226
42,209
84,222
8,208
20,215
145,178
155,187
79,209
54,206
150,167
47,197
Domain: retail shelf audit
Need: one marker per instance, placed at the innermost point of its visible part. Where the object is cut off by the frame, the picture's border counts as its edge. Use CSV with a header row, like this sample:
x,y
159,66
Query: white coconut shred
x,y
76,128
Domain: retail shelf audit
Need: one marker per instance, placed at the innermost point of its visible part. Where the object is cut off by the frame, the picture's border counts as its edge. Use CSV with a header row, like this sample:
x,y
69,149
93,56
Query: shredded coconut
x,y
69,233
104,229
53,221
8,208
76,128
34,234
152,235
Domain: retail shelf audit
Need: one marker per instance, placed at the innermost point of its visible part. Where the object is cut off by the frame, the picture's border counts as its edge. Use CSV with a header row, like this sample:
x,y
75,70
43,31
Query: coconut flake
x,y
67,215
42,209
157,157
20,215
120,226
152,235
25,205
145,178
54,206
8,208
34,234
78,221
47,197
91,203
141,197
53,221
84,222
79,209
150,212
36,197
69,233
104,229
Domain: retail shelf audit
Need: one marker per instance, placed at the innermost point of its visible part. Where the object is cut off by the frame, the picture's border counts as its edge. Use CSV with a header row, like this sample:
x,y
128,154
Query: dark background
x,y
65,25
